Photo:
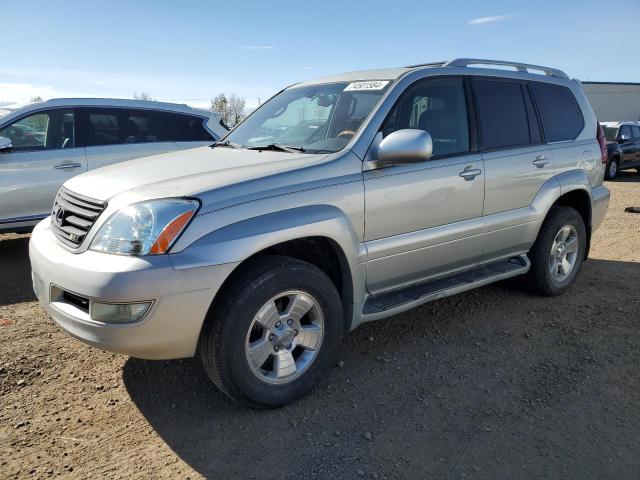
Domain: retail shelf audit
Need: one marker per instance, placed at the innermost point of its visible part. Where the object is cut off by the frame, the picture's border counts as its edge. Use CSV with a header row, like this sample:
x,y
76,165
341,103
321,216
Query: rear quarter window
x,y
559,111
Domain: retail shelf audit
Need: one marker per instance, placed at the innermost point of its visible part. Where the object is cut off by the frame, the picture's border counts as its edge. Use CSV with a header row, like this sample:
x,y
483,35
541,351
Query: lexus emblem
x,y
60,216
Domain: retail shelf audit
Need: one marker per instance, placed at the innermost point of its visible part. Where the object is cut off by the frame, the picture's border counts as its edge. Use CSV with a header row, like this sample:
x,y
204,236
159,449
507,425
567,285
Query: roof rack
x,y
520,67
431,64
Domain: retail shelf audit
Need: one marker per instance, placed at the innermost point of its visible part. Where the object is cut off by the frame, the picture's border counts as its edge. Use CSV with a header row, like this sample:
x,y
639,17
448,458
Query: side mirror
x,y
405,146
5,144
623,139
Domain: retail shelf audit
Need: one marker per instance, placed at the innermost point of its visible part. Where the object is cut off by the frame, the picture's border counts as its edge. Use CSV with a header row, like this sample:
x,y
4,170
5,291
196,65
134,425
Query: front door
x,y
44,155
424,220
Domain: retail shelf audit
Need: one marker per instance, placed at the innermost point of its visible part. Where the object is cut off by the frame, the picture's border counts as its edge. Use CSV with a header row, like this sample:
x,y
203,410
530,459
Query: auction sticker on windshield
x,y
368,85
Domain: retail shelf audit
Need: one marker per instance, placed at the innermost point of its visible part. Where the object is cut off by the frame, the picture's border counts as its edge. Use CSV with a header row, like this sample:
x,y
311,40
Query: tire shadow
x,y
15,271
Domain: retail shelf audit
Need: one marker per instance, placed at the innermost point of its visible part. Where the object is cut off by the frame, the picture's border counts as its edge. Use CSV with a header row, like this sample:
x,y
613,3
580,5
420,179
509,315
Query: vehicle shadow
x,y
15,271
488,381
627,176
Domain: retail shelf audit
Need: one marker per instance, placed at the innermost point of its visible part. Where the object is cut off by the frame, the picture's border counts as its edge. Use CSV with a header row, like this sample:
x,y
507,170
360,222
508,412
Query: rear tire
x,y
612,169
275,311
559,251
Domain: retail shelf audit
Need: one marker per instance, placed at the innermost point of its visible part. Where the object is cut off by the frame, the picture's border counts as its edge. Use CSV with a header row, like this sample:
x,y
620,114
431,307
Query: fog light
x,y
118,312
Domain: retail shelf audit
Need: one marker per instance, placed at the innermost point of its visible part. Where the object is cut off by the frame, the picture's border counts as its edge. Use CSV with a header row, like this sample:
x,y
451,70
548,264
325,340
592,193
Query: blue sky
x,y
189,51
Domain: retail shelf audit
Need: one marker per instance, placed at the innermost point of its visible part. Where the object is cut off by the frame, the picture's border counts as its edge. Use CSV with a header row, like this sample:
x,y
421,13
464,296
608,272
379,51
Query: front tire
x,y
274,332
612,169
559,251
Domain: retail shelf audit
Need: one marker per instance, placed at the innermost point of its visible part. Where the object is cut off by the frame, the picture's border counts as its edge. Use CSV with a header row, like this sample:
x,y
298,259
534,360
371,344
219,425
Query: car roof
x,y
359,75
117,102
618,124
459,64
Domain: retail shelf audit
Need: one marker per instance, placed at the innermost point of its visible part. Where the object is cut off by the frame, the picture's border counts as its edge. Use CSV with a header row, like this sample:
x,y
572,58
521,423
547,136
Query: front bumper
x,y
170,329
599,204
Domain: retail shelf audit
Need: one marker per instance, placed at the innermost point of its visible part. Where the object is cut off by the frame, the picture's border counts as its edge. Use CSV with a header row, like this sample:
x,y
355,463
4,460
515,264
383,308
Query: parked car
x,y
623,147
47,143
419,183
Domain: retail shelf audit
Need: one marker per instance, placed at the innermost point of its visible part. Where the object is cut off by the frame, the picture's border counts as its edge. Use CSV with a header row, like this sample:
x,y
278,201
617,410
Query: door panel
x,y
422,220
514,177
29,181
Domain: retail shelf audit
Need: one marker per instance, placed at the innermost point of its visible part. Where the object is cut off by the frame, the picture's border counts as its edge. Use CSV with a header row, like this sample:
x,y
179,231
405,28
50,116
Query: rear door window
x,y
559,111
103,128
502,114
636,133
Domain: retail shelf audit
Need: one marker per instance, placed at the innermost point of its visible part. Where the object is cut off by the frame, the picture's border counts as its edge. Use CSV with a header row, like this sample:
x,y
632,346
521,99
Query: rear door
x,y
45,154
517,163
113,135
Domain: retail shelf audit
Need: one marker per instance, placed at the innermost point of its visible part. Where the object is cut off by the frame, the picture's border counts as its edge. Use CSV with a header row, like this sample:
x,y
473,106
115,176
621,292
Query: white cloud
x,y
20,93
257,47
494,18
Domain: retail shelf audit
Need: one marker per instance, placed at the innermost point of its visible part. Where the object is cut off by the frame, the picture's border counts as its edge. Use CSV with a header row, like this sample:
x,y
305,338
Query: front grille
x,y
73,215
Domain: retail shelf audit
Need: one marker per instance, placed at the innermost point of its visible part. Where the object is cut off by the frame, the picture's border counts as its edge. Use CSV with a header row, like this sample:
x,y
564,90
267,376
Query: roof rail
x,y
520,67
430,64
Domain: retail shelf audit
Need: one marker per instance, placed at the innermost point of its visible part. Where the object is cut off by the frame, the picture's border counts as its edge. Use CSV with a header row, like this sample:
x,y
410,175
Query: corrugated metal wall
x,y
614,101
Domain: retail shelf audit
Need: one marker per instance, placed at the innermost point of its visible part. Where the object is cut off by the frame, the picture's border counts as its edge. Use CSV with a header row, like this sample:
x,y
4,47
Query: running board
x,y
391,303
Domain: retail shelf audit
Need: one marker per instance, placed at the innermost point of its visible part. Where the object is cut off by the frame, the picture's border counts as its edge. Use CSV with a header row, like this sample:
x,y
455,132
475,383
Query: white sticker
x,y
368,85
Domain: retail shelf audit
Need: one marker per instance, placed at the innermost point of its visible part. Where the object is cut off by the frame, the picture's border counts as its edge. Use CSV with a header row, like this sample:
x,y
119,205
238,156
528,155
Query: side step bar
x,y
397,301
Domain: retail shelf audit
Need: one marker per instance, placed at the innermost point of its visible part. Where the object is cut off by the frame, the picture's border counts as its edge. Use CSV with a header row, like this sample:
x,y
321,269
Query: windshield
x,y
317,118
610,133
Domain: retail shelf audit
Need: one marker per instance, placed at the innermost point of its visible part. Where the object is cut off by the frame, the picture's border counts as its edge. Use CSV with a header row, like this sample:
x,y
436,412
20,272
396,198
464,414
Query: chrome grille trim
x,y
73,215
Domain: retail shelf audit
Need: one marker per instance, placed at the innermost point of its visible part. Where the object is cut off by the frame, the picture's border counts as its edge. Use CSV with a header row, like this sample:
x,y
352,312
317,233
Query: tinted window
x,y
49,130
103,129
625,130
636,132
437,106
610,133
185,128
559,111
502,114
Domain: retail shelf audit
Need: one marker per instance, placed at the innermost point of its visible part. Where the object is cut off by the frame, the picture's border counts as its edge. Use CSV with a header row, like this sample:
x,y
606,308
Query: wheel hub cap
x,y
564,253
284,337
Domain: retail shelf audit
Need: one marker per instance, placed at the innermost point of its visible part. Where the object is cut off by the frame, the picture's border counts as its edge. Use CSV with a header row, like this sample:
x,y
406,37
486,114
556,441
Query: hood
x,y
185,173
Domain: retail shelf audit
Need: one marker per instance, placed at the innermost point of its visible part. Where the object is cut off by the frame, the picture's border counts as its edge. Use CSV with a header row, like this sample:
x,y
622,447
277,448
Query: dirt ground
x,y
496,383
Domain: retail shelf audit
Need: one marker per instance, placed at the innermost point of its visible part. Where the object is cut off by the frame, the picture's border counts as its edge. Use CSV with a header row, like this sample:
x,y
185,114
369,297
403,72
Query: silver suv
x,y
341,200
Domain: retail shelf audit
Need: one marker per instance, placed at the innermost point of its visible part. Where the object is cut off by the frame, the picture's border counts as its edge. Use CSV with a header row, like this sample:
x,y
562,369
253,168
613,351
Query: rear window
x,y
186,128
559,111
502,114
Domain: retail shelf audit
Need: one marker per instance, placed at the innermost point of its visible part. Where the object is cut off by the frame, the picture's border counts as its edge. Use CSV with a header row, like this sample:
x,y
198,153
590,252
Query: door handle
x,y
470,173
63,166
541,161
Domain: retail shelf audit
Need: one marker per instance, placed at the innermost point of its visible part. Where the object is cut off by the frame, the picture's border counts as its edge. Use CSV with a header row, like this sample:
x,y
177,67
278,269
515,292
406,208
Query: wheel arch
x,y
320,235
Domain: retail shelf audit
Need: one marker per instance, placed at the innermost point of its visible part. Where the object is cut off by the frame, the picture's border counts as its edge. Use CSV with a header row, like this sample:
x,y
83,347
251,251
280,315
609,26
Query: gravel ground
x,y
496,383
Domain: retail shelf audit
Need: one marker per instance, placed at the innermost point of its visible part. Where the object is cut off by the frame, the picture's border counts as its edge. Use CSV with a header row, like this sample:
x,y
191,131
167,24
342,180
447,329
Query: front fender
x,y
240,240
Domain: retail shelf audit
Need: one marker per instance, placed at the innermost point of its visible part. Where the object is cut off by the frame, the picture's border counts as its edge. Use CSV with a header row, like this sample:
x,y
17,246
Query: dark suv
x,y
623,147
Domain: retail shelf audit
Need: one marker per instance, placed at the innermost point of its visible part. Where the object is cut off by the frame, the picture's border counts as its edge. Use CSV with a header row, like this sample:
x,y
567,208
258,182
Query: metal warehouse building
x,y
614,101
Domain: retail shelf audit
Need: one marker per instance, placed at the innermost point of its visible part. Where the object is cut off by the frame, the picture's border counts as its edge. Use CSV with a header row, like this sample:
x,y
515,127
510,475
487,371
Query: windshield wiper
x,y
277,148
226,143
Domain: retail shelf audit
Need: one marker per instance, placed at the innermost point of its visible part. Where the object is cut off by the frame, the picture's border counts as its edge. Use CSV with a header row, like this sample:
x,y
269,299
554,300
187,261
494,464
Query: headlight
x,y
147,228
